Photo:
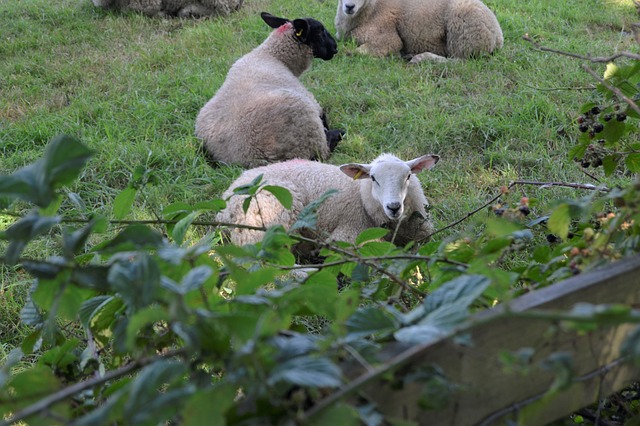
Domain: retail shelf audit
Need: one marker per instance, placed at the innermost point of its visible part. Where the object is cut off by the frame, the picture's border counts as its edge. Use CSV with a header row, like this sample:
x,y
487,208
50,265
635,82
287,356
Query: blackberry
x,y
583,128
621,116
525,210
598,127
607,117
595,110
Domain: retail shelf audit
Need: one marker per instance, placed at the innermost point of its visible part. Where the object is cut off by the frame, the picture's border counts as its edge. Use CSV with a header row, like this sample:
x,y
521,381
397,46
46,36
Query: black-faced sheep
x,y
385,193
178,8
419,29
262,113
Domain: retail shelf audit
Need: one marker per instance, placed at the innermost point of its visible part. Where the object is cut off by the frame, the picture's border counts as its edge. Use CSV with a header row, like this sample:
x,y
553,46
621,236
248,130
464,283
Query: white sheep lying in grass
x,y
263,113
178,8
420,29
385,193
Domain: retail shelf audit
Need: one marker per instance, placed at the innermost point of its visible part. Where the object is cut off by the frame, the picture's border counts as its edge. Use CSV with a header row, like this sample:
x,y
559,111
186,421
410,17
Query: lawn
x,y
130,87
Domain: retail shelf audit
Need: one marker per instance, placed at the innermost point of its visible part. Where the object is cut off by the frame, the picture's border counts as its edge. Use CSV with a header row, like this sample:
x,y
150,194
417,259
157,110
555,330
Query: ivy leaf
x,y
559,221
123,202
282,194
307,371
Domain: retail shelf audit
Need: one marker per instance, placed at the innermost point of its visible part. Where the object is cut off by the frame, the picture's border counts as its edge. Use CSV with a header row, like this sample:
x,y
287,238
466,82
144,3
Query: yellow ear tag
x,y
299,33
357,175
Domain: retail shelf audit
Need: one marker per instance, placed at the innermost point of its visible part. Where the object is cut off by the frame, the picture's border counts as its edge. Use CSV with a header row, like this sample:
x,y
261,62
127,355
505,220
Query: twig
x,y
613,89
65,393
600,59
563,184
374,259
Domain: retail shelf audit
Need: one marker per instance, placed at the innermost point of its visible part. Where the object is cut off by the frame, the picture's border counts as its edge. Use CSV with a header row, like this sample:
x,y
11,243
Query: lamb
x,y
385,193
178,8
262,113
419,29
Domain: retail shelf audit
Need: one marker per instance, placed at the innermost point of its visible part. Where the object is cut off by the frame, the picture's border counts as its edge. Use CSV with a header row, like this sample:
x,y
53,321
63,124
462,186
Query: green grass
x,y
130,87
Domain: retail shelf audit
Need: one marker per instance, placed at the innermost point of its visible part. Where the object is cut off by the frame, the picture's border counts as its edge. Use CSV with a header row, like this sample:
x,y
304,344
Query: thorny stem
x,y
613,89
69,391
599,59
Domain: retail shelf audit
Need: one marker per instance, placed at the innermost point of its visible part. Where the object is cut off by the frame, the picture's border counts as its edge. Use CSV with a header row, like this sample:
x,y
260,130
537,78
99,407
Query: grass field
x,y
130,87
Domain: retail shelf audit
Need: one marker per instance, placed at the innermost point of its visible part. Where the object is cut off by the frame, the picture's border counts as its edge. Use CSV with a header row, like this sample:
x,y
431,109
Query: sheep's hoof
x,y
333,137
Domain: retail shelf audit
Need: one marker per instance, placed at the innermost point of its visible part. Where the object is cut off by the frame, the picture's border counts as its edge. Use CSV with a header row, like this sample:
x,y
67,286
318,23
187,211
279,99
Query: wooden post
x,y
488,394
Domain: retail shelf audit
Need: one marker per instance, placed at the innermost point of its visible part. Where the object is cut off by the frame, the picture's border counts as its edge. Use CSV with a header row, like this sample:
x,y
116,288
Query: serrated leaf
x,y
146,404
282,194
176,209
195,278
371,234
609,164
123,203
307,371
74,241
141,319
559,221
180,228
133,237
250,188
337,414
632,161
90,307
308,217
64,159
420,334
370,320
137,281
613,131
200,411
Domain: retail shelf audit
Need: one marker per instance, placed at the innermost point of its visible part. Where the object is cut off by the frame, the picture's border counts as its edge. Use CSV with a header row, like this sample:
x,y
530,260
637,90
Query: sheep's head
x,y
351,8
390,179
307,31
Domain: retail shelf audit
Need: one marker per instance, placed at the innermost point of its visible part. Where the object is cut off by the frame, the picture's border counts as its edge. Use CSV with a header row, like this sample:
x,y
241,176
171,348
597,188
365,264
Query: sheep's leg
x,y
427,56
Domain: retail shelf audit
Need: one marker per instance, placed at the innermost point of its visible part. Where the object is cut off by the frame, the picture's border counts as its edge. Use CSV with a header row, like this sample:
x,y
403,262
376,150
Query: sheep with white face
x,y
384,193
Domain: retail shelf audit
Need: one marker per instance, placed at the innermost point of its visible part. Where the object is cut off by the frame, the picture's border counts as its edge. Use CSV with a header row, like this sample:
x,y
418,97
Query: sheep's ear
x,y
301,27
273,21
356,171
422,163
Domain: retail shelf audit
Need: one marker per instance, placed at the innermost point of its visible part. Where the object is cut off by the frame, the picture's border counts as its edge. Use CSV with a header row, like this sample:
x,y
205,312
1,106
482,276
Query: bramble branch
x,y
599,59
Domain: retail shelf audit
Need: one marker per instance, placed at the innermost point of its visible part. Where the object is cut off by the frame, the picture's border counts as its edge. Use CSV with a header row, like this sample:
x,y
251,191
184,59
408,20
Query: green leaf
x,y
123,203
282,194
194,279
308,217
64,159
559,221
337,414
632,161
140,320
249,188
137,281
609,164
133,237
180,229
370,320
146,404
376,248
90,307
613,131
200,410
371,234
630,347
74,241
307,371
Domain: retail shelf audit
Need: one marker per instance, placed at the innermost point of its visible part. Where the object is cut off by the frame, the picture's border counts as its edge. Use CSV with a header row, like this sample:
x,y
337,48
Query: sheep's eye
x,y
374,179
408,177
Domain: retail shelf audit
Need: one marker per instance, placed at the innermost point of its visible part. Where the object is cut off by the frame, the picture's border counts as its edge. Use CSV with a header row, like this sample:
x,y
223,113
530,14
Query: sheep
x,y
178,8
419,29
262,113
384,193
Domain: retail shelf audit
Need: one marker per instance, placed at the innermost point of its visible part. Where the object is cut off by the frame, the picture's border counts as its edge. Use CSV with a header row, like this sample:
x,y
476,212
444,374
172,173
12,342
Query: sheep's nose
x,y
394,208
348,8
